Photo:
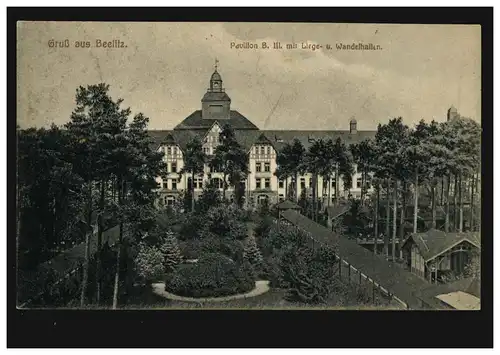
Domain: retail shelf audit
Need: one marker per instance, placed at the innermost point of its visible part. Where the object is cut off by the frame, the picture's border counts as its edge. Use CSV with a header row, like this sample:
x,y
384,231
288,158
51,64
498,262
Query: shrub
x,y
214,275
171,252
273,272
149,262
191,249
309,273
263,227
252,253
226,222
232,249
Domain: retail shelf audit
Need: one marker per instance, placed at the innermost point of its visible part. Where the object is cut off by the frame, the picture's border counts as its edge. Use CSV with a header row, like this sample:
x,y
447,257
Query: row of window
x,y
170,150
303,183
258,167
262,149
173,184
212,139
261,183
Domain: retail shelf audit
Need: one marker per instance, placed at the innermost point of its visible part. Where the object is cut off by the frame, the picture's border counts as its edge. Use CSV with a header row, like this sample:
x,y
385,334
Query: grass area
x,y
274,299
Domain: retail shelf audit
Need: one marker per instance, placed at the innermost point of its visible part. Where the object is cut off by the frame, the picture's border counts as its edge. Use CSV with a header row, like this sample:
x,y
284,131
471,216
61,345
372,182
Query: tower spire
x,y
216,63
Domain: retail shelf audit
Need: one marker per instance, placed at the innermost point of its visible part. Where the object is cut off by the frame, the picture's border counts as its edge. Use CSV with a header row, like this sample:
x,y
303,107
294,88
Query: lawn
x,y
144,298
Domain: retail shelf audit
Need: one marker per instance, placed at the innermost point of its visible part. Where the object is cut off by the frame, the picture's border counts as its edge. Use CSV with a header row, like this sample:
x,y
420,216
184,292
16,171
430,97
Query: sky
x,y
164,70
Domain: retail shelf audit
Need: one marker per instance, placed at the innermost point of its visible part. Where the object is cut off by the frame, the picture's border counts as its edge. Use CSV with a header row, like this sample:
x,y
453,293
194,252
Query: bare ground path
x,y
261,287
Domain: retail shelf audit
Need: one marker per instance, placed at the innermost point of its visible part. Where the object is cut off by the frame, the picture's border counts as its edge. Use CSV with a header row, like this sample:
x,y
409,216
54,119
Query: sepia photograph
x,y
248,166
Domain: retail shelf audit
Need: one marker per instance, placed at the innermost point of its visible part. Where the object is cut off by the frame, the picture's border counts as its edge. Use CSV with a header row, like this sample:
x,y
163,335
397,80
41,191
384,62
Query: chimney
x,y
353,129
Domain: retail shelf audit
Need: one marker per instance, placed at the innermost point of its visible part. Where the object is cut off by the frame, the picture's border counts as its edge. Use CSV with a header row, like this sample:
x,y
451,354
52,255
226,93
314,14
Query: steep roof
x,y
247,138
195,121
248,134
435,242
280,137
181,138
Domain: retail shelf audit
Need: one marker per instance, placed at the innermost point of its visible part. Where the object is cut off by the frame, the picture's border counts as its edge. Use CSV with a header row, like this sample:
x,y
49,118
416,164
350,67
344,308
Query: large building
x,y
262,147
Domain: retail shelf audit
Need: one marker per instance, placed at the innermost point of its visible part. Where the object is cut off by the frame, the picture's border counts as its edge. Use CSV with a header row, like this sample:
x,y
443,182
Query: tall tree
x,y
289,160
194,162
391,140
343,165
363,154
418,156
314,162
137,170
232,160
93,125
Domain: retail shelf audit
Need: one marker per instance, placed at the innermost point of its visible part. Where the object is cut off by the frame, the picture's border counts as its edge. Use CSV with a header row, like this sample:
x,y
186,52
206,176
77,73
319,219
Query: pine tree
x,y
252,253
171,252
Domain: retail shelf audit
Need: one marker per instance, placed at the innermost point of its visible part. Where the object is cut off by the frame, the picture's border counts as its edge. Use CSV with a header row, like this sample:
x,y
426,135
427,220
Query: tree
x,y
232,160
171,252
314,161
209,197
194,163
149,262
94,126
49,194
137,168
290,160
357,220
419,154
363,155
251,252
343,166
391,140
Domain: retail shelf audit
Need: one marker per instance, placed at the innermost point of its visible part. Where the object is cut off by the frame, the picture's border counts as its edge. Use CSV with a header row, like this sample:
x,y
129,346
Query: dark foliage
x,y
310,273
214,275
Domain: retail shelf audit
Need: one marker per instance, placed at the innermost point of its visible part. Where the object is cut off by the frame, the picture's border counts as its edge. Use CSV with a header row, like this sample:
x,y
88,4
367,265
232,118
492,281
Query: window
x,y
358,183
268,150
282,197
258,167
217,183
302,183
262,151
165,184
206,150
169,200
175,150
174,184
169,150
268,183
174,167
198,183
281,184
257,183
310,182
333,182
267,167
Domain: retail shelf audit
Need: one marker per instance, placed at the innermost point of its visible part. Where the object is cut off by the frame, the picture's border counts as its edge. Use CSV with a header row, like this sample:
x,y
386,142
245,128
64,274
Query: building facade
x,y
262,147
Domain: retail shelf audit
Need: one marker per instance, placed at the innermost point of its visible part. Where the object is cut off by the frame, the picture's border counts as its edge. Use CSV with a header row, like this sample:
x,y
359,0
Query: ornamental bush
x,y
149,262
214,275
252,253
309,273
171,252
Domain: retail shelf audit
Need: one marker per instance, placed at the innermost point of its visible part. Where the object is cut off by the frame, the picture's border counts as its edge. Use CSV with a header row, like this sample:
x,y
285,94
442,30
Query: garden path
x,y
261,287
